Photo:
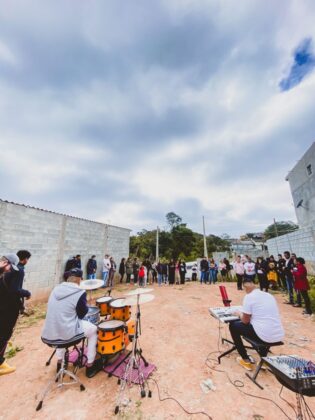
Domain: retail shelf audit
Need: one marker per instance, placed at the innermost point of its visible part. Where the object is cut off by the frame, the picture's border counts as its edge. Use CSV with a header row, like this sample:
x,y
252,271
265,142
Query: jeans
x,y
160,279
213,276
164,277
91,276
237,330
289,282
203,276
128,277
90,331
105,275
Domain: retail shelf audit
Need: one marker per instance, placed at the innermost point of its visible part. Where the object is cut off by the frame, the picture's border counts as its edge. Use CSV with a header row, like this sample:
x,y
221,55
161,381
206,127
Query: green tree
x,y
279,228
173,219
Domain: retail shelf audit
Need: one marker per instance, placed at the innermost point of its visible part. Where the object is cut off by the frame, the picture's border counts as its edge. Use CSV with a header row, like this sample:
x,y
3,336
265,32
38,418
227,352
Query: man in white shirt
x,y
106,267
259,320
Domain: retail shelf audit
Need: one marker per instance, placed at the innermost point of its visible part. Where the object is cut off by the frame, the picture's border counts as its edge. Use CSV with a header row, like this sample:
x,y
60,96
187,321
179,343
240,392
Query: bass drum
x,y
110,337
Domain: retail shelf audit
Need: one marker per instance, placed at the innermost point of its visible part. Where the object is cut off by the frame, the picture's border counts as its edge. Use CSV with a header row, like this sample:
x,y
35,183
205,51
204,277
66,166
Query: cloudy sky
x,y
121,111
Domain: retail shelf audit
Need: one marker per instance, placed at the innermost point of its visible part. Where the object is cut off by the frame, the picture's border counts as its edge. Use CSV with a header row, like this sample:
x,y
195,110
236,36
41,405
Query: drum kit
x,y
117,330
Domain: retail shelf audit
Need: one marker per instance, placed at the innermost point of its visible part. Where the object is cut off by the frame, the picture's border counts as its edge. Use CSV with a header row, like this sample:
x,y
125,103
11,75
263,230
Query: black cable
x,y
238,383
174,399
289,404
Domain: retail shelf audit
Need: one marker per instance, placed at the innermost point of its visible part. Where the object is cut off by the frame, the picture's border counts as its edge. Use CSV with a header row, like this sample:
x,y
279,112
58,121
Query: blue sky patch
x,y
304,63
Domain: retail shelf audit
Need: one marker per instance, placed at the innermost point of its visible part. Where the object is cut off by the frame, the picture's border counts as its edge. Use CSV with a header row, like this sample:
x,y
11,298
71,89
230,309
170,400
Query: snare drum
x,y
103,303
119,311
93,315
110,337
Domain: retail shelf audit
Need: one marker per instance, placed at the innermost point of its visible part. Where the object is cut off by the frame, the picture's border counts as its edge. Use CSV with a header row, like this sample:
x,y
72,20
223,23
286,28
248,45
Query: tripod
x,y
134,364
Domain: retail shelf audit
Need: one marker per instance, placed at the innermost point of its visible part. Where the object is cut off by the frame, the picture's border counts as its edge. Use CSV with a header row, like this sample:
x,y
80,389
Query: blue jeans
x,y
91,276
105,275
289,282
203,276
213,276
160,279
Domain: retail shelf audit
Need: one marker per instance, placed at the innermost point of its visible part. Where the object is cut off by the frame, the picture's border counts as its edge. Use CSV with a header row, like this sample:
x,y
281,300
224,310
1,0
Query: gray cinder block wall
x,y
52,238
301,242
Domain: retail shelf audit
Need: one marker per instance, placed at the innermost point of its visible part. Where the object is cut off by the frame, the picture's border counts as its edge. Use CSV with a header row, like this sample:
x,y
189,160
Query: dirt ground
x,y
177,336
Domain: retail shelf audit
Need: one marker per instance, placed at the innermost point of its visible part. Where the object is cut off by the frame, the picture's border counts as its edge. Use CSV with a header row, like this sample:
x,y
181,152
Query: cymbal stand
x,y
134,364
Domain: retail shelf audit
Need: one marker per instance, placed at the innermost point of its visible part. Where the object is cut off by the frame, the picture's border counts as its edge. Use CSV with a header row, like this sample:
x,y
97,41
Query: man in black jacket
x,y
91,268
11,293
287,269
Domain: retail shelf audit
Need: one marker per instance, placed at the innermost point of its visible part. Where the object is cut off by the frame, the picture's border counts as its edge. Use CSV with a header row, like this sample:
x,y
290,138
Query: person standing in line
x,y
154,272
194,272
213,271
301,285
141,275
287,269
281,274
239,272
112,272
272,274
11,294
261,270
77,262
204,267
164,272
128,270
148,265
182,271
249,267
122,269
171,272
91,268
106,268
159,273
228,268
177,273
135,270
223,271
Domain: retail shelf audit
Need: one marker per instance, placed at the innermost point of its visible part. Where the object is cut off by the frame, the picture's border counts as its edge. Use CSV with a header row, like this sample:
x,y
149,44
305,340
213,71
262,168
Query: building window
x,y
309,169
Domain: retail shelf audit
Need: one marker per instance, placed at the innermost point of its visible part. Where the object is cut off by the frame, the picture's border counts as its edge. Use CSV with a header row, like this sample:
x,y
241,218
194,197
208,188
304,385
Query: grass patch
x,y
33,315
12,350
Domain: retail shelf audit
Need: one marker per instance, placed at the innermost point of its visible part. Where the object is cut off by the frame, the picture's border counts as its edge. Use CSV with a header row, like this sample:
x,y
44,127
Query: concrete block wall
x,y
52,238
301,242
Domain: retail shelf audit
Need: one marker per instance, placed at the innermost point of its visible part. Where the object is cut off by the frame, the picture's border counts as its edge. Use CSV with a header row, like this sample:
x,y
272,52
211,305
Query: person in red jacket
x,y
301,284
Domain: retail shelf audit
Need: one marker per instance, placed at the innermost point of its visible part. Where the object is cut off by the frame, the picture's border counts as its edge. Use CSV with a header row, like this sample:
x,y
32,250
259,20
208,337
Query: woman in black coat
x,y
182,271
171,272
122,269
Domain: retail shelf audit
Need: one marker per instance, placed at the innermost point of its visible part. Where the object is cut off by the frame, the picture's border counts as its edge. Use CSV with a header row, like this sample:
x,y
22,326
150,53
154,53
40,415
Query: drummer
x,y
66,309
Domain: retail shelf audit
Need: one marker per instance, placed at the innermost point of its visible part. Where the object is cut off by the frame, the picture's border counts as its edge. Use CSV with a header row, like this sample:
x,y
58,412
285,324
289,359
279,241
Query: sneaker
x,y
5,369
296,305
245,364
94,369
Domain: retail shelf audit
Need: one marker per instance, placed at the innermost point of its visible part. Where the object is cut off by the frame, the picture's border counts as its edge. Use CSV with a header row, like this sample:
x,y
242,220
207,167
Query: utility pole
x,y
205,249
157,245
276,230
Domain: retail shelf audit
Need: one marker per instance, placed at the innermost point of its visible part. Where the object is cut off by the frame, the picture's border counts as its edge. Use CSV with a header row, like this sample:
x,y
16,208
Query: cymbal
x,y
91,284
139,291
133,300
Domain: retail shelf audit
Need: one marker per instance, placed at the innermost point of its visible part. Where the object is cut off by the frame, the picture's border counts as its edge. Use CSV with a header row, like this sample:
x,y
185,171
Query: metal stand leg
x,y
255,374
59,379
49,360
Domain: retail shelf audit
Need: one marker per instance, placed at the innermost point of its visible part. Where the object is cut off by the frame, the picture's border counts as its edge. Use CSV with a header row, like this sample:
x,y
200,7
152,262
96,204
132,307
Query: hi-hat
x,y
91,284
139,291
134,300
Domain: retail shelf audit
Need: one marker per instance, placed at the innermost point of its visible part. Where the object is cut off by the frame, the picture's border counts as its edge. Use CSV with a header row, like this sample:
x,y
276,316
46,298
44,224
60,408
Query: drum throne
x,y
62,370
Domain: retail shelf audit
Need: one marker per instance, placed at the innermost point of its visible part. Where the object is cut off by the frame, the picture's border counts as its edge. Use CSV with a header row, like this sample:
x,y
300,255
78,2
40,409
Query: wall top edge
x,y
61,214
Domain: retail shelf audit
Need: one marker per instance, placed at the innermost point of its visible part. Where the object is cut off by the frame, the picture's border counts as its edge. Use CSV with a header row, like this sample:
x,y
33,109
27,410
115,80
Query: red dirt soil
x,y
177,336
